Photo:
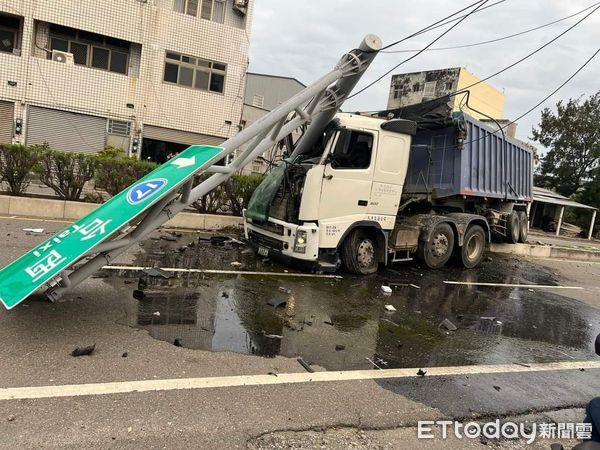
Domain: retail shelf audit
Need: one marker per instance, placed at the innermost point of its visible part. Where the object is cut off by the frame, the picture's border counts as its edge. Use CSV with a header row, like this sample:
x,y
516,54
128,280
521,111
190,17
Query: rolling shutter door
x,y
7,117
66,131
179,137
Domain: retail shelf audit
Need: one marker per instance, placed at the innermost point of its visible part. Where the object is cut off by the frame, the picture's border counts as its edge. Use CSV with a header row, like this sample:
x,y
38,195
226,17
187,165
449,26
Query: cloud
x,y
304,39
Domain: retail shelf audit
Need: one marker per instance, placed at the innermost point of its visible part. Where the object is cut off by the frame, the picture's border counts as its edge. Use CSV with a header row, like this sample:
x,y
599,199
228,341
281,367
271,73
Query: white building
x,y
152,76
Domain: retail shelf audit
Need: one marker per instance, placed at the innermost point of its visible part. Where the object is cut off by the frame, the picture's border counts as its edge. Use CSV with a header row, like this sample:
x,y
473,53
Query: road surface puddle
x,y
344,324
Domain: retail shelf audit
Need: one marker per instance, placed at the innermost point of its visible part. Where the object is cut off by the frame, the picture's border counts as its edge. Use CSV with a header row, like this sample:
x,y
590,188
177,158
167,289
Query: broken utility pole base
x,y
106,232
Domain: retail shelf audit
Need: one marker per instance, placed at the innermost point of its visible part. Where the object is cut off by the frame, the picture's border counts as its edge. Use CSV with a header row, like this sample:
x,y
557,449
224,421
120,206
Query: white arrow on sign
x,y
184,162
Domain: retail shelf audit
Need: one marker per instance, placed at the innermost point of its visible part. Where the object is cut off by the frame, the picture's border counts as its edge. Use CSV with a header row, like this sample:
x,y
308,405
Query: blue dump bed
x,y
469,158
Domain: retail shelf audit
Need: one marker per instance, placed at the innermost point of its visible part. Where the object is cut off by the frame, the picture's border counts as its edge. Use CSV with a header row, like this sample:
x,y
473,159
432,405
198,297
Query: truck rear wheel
x,y
512,228
436,251
523,226
359,253
471,252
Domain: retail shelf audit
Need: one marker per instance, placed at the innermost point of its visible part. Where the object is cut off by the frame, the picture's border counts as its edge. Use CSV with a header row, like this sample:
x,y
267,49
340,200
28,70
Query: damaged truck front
x,y
371,191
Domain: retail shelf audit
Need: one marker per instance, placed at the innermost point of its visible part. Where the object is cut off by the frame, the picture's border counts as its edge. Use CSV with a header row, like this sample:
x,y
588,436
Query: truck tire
x,y
471,252
359,253
436,251
523,226
512,228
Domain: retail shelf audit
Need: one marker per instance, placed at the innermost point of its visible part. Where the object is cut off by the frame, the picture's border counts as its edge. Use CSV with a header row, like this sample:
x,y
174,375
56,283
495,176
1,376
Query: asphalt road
x,y
538,326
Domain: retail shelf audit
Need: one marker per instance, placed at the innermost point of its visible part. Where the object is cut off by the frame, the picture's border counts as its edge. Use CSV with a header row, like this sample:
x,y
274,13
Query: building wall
x,y
273,90
153,27
483,97
411,88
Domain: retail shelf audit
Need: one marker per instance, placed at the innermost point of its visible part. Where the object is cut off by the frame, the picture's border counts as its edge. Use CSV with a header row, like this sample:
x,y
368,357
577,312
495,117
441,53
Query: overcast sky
x,y
305,38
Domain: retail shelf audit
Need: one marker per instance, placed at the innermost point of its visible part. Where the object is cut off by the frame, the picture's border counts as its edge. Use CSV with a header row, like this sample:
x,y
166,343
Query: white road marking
x,y
123,387
225,272
530,286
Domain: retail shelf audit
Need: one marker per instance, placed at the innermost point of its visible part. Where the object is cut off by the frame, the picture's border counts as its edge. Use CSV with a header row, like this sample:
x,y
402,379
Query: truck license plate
x,y
263,251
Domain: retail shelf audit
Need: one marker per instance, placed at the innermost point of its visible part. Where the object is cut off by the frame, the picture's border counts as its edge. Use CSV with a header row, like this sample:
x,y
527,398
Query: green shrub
x,y
214,201
111,152
64,172
239,189
16,162
115,174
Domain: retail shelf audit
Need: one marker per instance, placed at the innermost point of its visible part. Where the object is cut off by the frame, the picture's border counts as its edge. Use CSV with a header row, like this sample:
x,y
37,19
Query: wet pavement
x,y
343,324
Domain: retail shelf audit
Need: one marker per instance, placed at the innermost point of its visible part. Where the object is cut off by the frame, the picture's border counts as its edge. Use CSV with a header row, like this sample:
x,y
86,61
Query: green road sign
x,y
22,277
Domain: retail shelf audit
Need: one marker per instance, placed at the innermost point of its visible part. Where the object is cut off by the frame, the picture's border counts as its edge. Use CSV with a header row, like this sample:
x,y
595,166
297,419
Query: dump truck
x,y
372,190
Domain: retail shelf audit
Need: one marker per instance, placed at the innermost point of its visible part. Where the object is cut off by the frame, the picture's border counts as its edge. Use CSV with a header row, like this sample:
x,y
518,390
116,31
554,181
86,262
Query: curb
x,y
66,210
546,252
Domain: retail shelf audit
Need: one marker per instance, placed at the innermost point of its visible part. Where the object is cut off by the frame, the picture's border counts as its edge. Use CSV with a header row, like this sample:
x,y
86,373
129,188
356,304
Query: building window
x,y
119,127
213,10
258,101
194,72
429,89
91,49
9,33
449,85
416,87
398,91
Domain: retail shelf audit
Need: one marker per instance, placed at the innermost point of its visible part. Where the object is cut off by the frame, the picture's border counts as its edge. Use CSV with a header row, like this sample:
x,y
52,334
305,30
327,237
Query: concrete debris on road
x,y
390,308
448,325
284,290
236,264
276,302
169,238
83,351
386,290
340,347
156,313
421,372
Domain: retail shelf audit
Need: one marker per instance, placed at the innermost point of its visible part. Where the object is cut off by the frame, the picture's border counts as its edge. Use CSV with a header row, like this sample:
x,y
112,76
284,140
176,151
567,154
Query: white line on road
x,y
530,286
123,387
225,272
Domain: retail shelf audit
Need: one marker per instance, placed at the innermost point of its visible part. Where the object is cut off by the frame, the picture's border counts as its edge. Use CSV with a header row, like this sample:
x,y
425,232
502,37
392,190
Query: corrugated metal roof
x,y
548,196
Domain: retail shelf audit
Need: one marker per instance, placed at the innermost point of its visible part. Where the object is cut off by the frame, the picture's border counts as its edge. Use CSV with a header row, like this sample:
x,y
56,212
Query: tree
x,y
572,135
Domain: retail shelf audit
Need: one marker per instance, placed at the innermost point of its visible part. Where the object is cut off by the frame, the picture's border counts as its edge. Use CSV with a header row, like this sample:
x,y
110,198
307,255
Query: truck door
x,y
348,174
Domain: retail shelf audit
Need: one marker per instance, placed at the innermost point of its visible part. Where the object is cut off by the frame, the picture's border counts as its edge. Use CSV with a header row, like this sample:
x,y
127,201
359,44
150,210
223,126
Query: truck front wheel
x,y
471,252
436,251
359,253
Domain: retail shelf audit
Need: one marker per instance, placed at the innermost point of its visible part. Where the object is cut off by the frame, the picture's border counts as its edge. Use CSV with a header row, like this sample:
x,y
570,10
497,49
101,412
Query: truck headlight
x,y
300,242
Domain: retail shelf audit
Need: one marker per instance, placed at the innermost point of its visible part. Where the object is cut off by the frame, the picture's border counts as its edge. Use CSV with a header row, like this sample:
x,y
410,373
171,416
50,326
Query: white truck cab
x,y
350,185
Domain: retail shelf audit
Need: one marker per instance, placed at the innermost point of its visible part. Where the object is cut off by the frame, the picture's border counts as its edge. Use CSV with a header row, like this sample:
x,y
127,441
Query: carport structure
x,y
548,205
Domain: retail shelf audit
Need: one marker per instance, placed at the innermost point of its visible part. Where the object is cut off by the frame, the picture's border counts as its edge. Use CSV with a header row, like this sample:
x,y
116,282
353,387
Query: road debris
x,y
34,230
373,362
521,364
276,302
284,290
236,264
490,325
305,365
448,325
340,347
390,308
386,290
421,372
168,238
82,351
156,272
273,336
177,343
11,418
219,240
124,355
328,322
498,388
156,313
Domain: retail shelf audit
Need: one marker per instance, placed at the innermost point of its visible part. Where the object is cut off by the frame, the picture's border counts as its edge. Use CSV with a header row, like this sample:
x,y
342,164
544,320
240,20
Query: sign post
x,y
22,277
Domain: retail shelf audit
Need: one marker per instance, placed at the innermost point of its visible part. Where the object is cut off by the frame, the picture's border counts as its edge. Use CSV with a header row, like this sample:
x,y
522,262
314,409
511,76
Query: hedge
x,y
66,173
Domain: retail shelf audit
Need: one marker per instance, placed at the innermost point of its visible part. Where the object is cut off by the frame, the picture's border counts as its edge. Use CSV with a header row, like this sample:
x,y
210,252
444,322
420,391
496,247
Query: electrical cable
x,y
520,33
433,25
417,54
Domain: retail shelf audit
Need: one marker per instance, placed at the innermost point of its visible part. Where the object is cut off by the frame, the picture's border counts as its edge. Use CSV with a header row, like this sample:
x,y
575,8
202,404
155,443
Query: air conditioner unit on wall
x,y
240,6
62,57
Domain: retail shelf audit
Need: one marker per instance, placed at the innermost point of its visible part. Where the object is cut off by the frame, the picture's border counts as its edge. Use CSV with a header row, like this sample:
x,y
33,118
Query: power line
x,y
520,33
431,27
417,54
437,24
529,55
563,84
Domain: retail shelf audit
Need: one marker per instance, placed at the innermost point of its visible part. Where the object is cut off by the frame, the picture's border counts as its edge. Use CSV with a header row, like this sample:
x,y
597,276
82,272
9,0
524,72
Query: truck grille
x,y
265,240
